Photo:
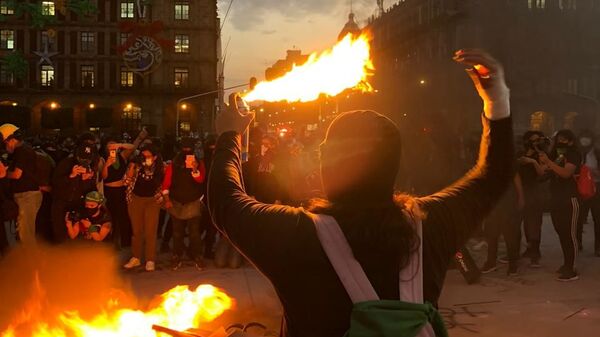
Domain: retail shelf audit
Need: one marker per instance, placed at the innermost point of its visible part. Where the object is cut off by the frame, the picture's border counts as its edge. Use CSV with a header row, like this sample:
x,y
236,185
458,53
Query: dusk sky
x,y
262,30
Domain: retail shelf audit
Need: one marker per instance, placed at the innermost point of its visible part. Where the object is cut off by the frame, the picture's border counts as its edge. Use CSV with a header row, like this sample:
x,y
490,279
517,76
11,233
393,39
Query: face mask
x,y
585,141
91,211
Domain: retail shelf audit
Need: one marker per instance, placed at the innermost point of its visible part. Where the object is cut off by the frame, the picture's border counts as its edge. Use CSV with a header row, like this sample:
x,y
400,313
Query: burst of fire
x,y
179,309
347,65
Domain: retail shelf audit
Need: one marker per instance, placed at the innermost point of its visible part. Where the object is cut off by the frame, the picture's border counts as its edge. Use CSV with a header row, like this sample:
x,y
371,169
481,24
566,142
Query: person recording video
x,y
93,223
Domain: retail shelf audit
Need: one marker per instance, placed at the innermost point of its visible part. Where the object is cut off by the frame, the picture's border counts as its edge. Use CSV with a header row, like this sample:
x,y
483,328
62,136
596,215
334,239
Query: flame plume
x,y
347,65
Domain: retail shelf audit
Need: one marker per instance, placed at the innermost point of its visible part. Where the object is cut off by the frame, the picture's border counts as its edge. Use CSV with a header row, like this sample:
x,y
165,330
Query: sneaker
x,y
176,263
568,276
150,266
488,268
535,263
503,260
513,270
132,263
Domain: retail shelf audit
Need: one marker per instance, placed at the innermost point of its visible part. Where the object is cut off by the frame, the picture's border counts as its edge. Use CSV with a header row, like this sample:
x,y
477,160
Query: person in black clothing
x,y
359,161
73,178
563,163
22,175
94,223
206,225
183,192
532,172
591,158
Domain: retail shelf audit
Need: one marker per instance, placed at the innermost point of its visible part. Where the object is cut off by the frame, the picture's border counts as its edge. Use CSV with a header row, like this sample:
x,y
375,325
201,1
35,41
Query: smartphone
x,y
113,153
189,161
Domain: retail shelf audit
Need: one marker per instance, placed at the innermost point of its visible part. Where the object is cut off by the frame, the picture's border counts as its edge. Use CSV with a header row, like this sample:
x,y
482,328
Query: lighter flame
x,y
347,65
179,309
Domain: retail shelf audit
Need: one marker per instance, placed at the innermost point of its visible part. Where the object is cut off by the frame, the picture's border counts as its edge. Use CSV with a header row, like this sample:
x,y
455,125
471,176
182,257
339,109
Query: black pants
x,y
116,202
43,220
533,214
195,239
210,233
565,215
586,206
505,222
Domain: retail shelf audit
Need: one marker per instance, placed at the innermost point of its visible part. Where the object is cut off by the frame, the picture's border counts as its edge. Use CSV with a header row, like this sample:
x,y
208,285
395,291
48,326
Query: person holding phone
x,y
563,163
113,177
93,223
183,191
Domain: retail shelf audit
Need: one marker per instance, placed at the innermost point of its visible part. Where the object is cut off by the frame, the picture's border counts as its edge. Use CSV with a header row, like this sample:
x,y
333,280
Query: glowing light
x,y
184,106
128,106
179,308
53,105
92,106
14,104
422,82
347,65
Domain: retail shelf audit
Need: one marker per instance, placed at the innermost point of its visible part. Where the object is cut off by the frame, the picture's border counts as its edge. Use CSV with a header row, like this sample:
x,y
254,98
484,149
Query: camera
x,y
74,216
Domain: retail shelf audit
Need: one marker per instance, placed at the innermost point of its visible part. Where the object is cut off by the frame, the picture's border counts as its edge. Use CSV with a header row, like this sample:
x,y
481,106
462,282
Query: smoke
x,y
40,282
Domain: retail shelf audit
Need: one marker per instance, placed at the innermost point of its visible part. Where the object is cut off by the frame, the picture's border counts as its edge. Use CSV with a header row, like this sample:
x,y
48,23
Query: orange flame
x,y
179,309
347,65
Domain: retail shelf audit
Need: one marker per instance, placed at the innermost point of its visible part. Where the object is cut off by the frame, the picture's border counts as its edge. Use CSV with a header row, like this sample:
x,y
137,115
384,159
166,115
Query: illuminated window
x,y
7,39
48,8
182,43
536,4
87,76
181,77
127,11
5,8
47,76
6,77
123,37
126,78
185,126
182,11
88,41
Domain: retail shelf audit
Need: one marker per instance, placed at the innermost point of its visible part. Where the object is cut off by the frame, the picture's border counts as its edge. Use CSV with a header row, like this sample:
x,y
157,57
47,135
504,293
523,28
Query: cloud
x,y
247,14
268,32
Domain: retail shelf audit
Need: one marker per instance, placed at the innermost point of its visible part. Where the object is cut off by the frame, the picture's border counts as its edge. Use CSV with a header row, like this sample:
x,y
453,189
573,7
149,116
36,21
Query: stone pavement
x,y
531,304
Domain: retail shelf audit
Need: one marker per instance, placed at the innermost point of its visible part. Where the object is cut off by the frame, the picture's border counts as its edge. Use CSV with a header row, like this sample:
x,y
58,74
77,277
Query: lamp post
x,y
181,100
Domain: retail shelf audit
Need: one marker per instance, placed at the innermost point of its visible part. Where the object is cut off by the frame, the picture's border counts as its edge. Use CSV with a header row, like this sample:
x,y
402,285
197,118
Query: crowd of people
x,y
134,192
548,179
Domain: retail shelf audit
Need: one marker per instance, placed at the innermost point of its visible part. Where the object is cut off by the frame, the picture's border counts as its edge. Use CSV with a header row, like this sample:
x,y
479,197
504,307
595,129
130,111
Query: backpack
x,y
407,317
585,183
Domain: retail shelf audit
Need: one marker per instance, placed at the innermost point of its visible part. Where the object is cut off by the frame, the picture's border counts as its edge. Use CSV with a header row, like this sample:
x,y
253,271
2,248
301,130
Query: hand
x,y
143,134
110,160
85,223
67,220
168,204
2,170
488,76
77,170
231,119
526,160
544,158
87,176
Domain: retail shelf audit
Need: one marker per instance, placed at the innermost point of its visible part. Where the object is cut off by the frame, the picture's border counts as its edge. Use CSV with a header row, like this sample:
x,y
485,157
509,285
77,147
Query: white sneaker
x,y
133,262
150,266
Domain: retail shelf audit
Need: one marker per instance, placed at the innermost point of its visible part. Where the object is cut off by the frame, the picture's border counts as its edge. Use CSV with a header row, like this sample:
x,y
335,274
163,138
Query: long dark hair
x,y
376,229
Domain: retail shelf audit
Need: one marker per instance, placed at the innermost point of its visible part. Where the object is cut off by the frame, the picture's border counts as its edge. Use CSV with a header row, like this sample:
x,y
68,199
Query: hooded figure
x,y
359,163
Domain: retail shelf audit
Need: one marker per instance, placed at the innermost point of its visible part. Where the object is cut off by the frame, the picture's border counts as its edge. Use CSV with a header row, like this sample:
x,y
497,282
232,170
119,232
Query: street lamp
x,y
53,105
92,106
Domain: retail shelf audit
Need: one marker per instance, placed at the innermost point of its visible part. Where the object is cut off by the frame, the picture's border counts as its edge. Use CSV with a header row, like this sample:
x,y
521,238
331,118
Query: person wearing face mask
x,y
94,223
591,158
144,179
72,179
563,163
183,192
531,172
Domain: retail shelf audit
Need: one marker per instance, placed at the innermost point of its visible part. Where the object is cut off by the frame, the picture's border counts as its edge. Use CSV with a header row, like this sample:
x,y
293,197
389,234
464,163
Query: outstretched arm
x,y
455,212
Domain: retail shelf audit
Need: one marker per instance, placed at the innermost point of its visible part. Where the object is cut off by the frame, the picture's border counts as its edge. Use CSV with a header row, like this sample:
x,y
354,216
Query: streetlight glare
x,y
184,106
92,106
53,105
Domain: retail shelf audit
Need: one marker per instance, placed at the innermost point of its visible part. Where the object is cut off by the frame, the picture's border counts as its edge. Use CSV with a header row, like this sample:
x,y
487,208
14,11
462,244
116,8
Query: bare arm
x,y
101,235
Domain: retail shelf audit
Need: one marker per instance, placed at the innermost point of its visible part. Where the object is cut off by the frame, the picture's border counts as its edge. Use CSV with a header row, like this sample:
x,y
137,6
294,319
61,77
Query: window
x,y
123,38
536,4
88,41
6,77
572,86
127,10
126,78
181,77
48,8
5,8
182,11
182,43
7,39
568,4
47,40
87,76
47,76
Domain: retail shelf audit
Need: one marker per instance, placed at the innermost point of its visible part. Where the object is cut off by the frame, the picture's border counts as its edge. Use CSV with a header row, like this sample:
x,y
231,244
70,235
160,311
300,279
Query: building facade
x,y
118,64
548,49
